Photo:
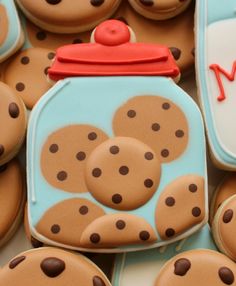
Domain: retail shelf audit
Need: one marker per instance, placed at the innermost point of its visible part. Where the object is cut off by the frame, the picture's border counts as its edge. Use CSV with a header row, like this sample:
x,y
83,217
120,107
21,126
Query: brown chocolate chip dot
x,y
149,156
228,215
196,212
51,56
166,106
97,281
20,86
62,176
83,210
16,261
97,172
41,35
148,183
179,133
53,2
170,232
146,2
144,235
182,266
131,113
170,201
226,275
36,243
192,188
52,266
3,168
120,224
53,148
81,156
13,110
156,127
165,153
55,228
25,60
175,52
96,3
1,149
92,136
117,199
95,238
123,170
114,150
46,70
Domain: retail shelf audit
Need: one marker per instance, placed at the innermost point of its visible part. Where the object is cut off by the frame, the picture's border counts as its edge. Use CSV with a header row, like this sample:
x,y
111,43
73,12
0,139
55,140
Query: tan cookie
x,y
181,206
4,24
198,267
51,267
123,173
176,33
66,221
224,227
156,121
116,230
26,73
12,123
42,39
12,198
224,191
68,16
65,153
160,9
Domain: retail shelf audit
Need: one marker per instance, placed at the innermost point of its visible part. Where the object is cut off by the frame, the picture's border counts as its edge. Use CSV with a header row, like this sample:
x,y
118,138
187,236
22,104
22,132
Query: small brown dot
x,y
123,170
96,3
170,201
175,52
120,224
53,2
83,210
51,56
54,148
2,149
20,86
25,60
192,188
144,235
62,176
81,156
52,267
228,215
13,110
131,113
41,35
92,136
46,70
226,275
182,266
35,243
117,199
114,150
179,133
97,281
165,153
166,106
156,127
95,238
77,41
196,212
147,2
149,156
148,183
3,168
55,228
16,261
170,232
97,172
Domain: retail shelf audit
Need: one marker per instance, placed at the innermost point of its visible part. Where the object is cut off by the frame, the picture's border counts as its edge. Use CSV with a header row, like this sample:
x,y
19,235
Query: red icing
x,y
218,70
112,55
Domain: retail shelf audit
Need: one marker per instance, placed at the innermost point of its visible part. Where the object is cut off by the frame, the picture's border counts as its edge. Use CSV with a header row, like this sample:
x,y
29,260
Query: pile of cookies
x,y
116,158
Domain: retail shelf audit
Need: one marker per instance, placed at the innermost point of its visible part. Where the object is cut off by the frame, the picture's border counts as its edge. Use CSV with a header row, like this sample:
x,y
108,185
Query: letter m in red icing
x,y
218,70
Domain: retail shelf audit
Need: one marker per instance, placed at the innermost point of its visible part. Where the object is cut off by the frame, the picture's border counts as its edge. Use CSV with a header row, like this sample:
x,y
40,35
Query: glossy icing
x,y
215,74
94,101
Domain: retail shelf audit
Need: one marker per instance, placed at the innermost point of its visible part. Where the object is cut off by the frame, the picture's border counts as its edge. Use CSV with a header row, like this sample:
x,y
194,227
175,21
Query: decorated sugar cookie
x,y
159,9
216,76
51,266
12,199
11,36
117,147
66,16
12,123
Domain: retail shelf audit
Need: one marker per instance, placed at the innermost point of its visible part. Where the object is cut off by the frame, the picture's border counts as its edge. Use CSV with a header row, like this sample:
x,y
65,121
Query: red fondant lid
x,y
112,54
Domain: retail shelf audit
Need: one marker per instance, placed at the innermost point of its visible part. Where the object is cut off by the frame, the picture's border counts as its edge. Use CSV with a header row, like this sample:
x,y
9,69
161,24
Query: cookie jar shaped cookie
x,y
116,150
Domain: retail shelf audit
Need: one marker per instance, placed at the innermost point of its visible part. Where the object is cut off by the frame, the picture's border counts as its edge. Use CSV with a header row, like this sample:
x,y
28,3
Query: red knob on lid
x,y
112,33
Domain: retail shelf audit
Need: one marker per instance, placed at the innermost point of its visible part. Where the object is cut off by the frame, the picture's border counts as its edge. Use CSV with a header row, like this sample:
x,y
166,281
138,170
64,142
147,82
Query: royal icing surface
x,y
216,75
96,117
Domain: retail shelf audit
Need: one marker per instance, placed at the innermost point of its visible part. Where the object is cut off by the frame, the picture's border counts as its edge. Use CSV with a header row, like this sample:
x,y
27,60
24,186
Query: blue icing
x,y
94,101
208,12
14,29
